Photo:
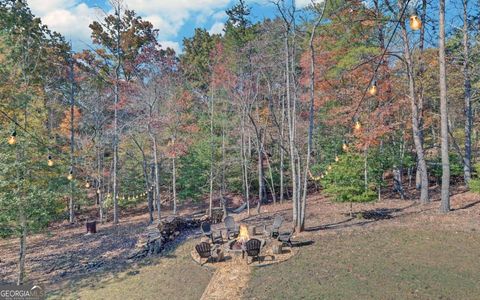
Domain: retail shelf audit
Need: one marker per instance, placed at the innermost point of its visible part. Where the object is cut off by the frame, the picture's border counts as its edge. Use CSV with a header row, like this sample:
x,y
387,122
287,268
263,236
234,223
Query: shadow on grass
x,y
365,217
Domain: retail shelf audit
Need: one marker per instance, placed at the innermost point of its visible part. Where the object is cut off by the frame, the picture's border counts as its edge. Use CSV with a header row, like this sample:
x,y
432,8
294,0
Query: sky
x,y
175,19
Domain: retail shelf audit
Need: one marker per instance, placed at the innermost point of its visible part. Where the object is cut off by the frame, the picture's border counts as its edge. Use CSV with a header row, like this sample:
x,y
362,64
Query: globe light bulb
x,y
336,158
50,161
12,140
87,184
415,22
345,147
70,177
98,191
373,90
329,168
358,126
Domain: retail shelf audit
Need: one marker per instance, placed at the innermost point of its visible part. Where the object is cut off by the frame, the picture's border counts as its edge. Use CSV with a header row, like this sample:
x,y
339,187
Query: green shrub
x,y
345,180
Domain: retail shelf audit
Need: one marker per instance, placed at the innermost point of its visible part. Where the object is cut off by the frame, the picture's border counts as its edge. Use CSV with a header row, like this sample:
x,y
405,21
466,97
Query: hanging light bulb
x,y
322,176
326,173
358,126
415,22
373,90
70,175
329,168
87,184
98,191
345,147
50,161
12,140
336,158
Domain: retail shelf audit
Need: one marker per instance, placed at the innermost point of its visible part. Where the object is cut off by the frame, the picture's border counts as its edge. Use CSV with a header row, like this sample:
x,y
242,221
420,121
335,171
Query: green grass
x,y
175,276
379,264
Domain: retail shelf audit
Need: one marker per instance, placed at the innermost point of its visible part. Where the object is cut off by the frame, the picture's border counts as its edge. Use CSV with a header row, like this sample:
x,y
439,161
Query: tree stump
x,y
220,255
91,227
277,248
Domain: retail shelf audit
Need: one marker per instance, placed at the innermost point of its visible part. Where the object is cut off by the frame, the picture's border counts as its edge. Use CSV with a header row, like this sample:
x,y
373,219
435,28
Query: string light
x,y
50,161
358,126
336,158
373,90
98,191
87,184
329,168
12,140
345,147
70,175
415,22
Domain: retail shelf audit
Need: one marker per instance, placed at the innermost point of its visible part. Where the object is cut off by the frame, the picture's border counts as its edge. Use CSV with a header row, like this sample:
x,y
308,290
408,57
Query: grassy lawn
x,y
175,276
379,264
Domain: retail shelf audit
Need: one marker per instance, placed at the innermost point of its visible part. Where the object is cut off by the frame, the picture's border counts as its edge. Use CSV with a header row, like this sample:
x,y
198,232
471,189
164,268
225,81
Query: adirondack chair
x,y
273,231
216,238
286,237
204,250
252,248
232,228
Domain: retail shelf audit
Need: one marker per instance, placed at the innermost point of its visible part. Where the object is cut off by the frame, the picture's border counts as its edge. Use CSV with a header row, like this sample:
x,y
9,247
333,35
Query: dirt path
x,y
228,281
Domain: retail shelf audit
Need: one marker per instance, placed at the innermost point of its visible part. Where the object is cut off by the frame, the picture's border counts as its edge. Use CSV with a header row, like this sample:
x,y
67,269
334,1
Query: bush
x,y
474,184
345,180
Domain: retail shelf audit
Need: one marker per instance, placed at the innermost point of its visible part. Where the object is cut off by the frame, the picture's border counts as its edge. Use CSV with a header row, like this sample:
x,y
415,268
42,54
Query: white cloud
x,y
43,7
66,17
171,44
217,28
72,17
176,13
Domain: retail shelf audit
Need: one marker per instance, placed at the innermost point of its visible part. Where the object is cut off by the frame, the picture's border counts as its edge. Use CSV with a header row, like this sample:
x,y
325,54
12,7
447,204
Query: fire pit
x,y
238,244
235,251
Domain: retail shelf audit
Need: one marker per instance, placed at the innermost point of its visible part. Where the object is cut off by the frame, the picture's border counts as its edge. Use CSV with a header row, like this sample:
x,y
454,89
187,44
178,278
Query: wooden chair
x,y
216,238
232,228
252,248
273,232
286,237
204,250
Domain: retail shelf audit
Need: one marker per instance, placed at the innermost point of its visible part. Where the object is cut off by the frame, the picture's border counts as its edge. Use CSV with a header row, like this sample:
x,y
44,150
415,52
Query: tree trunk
x,y
422,165
445,200
467,169
282,151
72,140
157,177
23,247
261,183
174,185
246,185
115,119
212,149
99,180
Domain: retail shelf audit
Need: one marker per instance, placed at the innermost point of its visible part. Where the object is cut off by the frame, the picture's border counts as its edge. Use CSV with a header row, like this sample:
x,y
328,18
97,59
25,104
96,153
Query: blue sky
x,y
175,19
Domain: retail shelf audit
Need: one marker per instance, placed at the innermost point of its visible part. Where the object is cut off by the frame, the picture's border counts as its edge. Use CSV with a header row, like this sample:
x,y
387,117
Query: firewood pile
x,y
157,236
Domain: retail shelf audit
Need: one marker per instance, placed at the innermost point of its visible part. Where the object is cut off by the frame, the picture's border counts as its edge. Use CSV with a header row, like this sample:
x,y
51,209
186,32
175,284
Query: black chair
x,y
207,231
252,248
232,228
273,232
204,250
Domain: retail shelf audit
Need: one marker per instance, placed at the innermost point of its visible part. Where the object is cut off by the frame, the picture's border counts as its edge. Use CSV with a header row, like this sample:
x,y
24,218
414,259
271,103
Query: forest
x,y
357,101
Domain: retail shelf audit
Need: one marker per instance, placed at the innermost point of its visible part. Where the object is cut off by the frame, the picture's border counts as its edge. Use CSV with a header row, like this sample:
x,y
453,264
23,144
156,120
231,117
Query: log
x,y
277,248
91,227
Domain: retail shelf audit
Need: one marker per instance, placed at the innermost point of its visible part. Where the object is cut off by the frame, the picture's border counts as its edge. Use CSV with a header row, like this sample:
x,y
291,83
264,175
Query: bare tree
x,y
445,201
